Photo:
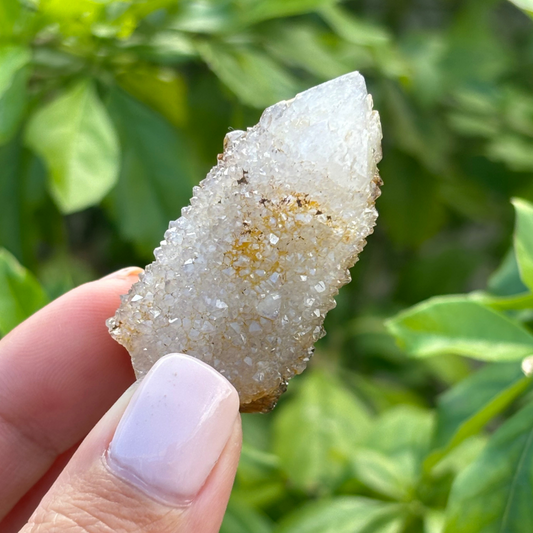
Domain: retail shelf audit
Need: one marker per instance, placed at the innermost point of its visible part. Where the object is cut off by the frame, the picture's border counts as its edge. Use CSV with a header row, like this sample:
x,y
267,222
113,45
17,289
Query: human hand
x,y
168,468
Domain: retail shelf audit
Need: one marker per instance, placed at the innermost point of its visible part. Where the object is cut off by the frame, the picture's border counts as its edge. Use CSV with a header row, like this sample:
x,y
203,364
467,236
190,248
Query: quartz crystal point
x,y
244,279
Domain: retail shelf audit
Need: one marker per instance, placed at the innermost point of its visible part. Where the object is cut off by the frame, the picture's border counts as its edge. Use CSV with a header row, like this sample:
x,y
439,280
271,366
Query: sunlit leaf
x,y
74,18
20,293
160,88
434,521
76,139
494,494
345,515
461,326
523,240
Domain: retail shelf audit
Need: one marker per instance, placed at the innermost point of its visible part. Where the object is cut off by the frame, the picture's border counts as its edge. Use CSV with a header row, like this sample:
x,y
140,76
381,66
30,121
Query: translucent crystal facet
x,y
244,278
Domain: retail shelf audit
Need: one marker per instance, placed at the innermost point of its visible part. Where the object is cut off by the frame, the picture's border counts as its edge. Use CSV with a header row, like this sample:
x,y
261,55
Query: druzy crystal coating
x,y
244,278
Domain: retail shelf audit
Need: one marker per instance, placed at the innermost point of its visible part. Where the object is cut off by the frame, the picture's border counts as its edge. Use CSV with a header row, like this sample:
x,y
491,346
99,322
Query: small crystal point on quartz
x,y
244,278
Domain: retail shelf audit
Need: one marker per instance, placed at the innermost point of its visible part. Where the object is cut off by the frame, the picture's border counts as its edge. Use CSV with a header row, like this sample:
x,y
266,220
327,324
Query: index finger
x,y
59,373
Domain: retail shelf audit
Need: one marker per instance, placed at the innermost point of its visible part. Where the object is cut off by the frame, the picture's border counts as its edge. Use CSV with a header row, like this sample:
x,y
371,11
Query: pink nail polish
x,y
125,273
174,429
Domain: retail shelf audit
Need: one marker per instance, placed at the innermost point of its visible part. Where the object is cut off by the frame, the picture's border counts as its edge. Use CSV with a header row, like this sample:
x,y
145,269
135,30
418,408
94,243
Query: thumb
x,y
163,459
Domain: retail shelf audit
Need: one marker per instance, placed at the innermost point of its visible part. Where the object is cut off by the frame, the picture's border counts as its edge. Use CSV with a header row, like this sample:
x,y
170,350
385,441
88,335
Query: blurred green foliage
x,y
111,110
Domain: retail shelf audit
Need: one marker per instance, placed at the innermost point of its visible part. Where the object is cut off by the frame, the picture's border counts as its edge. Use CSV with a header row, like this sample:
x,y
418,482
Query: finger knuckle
x,y
101,504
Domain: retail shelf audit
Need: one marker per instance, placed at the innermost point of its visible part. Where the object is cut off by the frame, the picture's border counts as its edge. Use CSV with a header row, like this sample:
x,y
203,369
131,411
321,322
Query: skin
x,y
64,384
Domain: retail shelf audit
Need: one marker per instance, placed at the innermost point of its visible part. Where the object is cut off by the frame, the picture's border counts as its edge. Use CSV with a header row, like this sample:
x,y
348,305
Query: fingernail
x,y
174,429
125,273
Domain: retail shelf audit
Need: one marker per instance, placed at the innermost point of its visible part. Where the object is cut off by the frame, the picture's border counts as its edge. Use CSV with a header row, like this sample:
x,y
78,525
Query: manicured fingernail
x,y
174,429
125,273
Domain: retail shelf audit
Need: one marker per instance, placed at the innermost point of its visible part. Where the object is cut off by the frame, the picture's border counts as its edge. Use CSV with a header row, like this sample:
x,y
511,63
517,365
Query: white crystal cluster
x,y
244,279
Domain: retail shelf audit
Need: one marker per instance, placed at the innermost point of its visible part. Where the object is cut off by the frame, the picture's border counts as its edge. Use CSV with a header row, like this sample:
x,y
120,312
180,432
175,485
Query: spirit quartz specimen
x,y
244,279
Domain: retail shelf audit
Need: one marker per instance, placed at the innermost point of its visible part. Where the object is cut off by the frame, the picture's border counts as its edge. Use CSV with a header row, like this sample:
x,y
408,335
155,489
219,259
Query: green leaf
x,y
256,431
494,494
434,521
505,303
73,18
242,518
383,474
513,150
263,494
255,78
269,9
466,408
523,240
13,105
403,434
9,14
259,481
167,47
75,137
12,59
23,228
421,135
505,281
160,88
13,78
458,458
156,177
459,325
211,16
256,466
345,515
315,432
63,272
475,53
524,5
352,29
304,45
20,293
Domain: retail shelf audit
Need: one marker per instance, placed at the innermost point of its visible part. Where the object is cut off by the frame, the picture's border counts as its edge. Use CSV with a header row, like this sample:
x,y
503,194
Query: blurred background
x,y
150,88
